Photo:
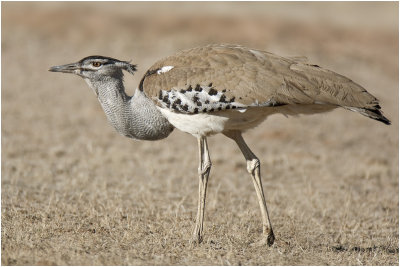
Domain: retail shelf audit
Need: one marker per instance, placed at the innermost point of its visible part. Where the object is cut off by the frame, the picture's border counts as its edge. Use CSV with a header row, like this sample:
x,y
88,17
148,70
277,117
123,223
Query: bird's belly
x,y
206,124
202,124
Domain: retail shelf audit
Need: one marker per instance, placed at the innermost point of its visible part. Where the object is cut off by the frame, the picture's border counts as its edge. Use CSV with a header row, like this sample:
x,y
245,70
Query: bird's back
x,y
228,77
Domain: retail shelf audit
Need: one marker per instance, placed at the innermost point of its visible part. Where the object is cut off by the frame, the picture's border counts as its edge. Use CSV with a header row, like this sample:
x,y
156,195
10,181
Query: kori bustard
x,y
215,89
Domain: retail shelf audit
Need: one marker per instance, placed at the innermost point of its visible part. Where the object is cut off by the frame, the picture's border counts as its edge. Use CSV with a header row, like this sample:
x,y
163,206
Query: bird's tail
x,y
373,113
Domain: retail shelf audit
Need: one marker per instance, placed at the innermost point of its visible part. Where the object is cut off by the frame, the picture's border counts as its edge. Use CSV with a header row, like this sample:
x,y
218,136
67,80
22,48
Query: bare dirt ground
x,y
74,192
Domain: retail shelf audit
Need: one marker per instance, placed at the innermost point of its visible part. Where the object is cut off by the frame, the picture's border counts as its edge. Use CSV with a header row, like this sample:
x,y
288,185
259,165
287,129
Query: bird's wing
x,y
219,77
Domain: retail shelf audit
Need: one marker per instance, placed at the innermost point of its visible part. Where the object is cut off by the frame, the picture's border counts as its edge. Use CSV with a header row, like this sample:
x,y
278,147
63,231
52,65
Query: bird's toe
x,y
265,240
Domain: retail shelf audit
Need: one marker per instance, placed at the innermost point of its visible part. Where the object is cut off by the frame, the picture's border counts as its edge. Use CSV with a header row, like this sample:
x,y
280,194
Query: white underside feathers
x,y
206,124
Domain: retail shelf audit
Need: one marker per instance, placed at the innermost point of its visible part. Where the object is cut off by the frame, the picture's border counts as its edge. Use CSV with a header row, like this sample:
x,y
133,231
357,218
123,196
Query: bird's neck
x,y
135,117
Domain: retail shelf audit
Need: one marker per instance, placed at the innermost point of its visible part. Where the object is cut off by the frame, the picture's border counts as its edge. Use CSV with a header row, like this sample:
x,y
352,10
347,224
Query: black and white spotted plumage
x,y
197,99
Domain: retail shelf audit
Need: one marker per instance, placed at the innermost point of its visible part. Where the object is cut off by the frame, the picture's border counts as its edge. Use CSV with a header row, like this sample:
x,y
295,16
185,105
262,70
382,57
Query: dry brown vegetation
x,y
76,193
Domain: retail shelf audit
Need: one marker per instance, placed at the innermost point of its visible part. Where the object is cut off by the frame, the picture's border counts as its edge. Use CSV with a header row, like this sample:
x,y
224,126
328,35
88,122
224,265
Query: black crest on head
x,y
125,65
97,57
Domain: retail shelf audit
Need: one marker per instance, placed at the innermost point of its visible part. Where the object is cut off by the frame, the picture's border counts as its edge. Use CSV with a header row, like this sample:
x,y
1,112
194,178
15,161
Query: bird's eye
x,y
96,64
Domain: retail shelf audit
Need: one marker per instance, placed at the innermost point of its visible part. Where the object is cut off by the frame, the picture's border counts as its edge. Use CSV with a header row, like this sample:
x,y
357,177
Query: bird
x,y
218,88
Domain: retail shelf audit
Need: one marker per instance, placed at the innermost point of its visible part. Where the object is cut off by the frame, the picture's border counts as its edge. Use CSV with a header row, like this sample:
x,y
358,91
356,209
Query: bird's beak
x,y
68,68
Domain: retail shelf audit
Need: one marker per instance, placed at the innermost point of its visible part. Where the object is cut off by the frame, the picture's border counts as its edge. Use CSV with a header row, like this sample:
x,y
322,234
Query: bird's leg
x,y
204,171
253,167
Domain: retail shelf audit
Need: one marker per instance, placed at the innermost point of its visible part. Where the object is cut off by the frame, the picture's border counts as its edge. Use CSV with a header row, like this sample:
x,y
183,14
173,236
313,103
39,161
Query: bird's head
x,y
96,67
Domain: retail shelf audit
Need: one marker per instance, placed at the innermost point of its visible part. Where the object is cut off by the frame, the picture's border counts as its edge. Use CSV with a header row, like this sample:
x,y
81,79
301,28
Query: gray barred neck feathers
x,y
103,86
135,117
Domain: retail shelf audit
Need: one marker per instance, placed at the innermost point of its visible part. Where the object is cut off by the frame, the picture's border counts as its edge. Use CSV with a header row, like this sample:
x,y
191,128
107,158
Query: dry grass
x,y
76,193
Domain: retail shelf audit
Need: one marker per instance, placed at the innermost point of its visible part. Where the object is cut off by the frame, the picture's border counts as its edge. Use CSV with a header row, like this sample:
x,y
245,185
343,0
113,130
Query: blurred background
x,y
66,172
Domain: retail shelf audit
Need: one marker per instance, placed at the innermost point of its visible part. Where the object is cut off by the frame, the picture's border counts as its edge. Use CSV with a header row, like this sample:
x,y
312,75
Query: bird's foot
x,y
266,240
196,240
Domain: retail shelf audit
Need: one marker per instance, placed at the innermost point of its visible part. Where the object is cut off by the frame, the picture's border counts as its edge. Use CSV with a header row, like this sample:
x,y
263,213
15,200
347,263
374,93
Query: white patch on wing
x,y
165,69
257,54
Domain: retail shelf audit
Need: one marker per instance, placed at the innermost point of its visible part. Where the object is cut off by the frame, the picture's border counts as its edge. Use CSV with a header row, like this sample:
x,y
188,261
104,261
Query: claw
x,y
196,239
266,240
270,238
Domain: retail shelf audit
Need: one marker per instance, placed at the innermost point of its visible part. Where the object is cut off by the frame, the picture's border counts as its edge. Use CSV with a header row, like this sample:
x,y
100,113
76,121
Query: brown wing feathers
x,y
229,77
